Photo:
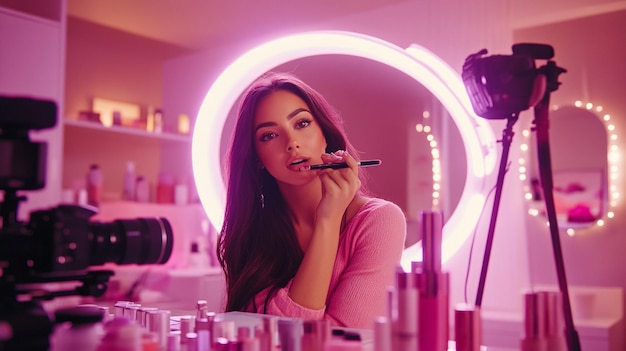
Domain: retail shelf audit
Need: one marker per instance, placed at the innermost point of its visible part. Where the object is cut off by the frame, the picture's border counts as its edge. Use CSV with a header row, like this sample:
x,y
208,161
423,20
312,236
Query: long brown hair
x,y
257,247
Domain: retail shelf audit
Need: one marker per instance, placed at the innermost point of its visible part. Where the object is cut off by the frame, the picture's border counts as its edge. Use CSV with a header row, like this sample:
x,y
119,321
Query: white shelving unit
x,y
86,143
121,131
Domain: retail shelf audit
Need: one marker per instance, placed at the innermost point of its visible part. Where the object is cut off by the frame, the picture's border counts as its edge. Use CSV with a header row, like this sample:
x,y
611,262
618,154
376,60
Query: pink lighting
x,y
417,62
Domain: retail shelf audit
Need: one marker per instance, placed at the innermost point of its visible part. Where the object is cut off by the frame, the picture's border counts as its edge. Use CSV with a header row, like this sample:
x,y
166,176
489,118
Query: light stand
x,y
493,87
507,137
542,126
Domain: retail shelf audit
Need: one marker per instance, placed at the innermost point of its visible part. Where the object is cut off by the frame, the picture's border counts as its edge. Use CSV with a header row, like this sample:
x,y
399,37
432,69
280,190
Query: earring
x,y
262,195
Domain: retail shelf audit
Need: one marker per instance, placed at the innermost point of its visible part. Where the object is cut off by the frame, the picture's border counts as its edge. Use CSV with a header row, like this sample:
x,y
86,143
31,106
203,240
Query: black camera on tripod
x,y
501,86
59,244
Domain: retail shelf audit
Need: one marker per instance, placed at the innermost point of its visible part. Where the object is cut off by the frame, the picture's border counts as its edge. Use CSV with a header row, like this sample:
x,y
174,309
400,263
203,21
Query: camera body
x,y
64,240
500,86
59,244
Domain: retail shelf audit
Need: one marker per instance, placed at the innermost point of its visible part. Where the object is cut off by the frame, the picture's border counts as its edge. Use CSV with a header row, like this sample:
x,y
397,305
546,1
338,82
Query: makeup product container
x,y
467,328
315,334
405,325
434,286
290,334
543,322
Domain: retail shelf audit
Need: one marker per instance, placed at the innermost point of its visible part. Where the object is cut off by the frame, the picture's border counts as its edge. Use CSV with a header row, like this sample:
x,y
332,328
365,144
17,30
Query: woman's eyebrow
x,y
296,111
291,115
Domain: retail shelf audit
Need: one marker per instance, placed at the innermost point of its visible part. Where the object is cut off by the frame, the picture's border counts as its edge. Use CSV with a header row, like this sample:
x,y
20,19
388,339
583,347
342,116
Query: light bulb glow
x,y
613,159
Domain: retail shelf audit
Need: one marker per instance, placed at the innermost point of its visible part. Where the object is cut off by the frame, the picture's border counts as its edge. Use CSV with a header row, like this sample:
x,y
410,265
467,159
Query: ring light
x,y
418,63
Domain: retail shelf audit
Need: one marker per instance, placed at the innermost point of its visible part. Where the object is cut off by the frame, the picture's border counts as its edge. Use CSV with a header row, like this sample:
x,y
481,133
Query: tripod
x,y
551,71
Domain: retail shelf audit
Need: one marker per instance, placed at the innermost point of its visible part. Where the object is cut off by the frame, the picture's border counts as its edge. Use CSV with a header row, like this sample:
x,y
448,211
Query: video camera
x,y
59,244
500,86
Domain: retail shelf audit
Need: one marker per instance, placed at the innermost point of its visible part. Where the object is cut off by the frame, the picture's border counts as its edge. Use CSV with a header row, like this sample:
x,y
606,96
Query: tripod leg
x,y
507,137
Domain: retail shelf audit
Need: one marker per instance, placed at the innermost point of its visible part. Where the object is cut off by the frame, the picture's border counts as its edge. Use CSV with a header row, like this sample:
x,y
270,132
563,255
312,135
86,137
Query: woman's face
x,y
287,137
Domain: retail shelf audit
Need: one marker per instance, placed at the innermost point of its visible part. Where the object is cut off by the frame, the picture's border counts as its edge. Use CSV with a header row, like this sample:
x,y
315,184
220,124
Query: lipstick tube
x,y
433,285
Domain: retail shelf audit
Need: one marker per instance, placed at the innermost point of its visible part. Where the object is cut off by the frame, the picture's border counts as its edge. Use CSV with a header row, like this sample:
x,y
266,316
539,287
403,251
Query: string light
x,y
613,161
434,152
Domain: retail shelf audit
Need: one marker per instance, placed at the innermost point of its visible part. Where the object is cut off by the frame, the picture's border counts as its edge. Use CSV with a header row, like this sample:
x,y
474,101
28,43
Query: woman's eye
x,y
303,123
267,136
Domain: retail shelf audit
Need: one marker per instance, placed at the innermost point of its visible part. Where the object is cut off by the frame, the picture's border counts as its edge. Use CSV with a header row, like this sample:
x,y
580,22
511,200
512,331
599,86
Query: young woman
x,y
298,242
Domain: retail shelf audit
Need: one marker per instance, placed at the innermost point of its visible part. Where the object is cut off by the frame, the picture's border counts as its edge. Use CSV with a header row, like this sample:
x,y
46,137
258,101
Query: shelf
x,y
73,123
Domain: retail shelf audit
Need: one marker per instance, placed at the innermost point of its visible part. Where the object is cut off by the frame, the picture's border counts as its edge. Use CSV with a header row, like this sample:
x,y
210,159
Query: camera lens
x,y
131,241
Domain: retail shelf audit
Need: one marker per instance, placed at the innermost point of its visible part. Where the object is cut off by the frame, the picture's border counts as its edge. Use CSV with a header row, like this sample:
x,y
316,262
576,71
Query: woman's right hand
x,y
339,186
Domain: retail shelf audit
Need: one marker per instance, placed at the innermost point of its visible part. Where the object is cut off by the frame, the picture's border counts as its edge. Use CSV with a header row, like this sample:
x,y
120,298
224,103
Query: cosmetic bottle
x,y
158,121
225,329
142,316
190,341
249,344
94,185
187,325
543,322
405,324
467,328
267,333
434,286
205,325
159,324
290,334
165,188
173,341
181,192
315,334
142,190
198,258
382,334
129,182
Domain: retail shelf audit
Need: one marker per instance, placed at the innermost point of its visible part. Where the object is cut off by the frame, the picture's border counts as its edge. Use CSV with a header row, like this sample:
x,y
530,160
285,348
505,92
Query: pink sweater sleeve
x,y
369,251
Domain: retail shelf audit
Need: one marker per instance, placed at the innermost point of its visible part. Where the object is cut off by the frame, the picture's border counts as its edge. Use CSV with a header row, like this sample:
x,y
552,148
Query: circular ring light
x,y
418,63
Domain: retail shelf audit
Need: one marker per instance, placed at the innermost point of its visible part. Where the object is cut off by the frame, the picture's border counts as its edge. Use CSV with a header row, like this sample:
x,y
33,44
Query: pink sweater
x,y
369,251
